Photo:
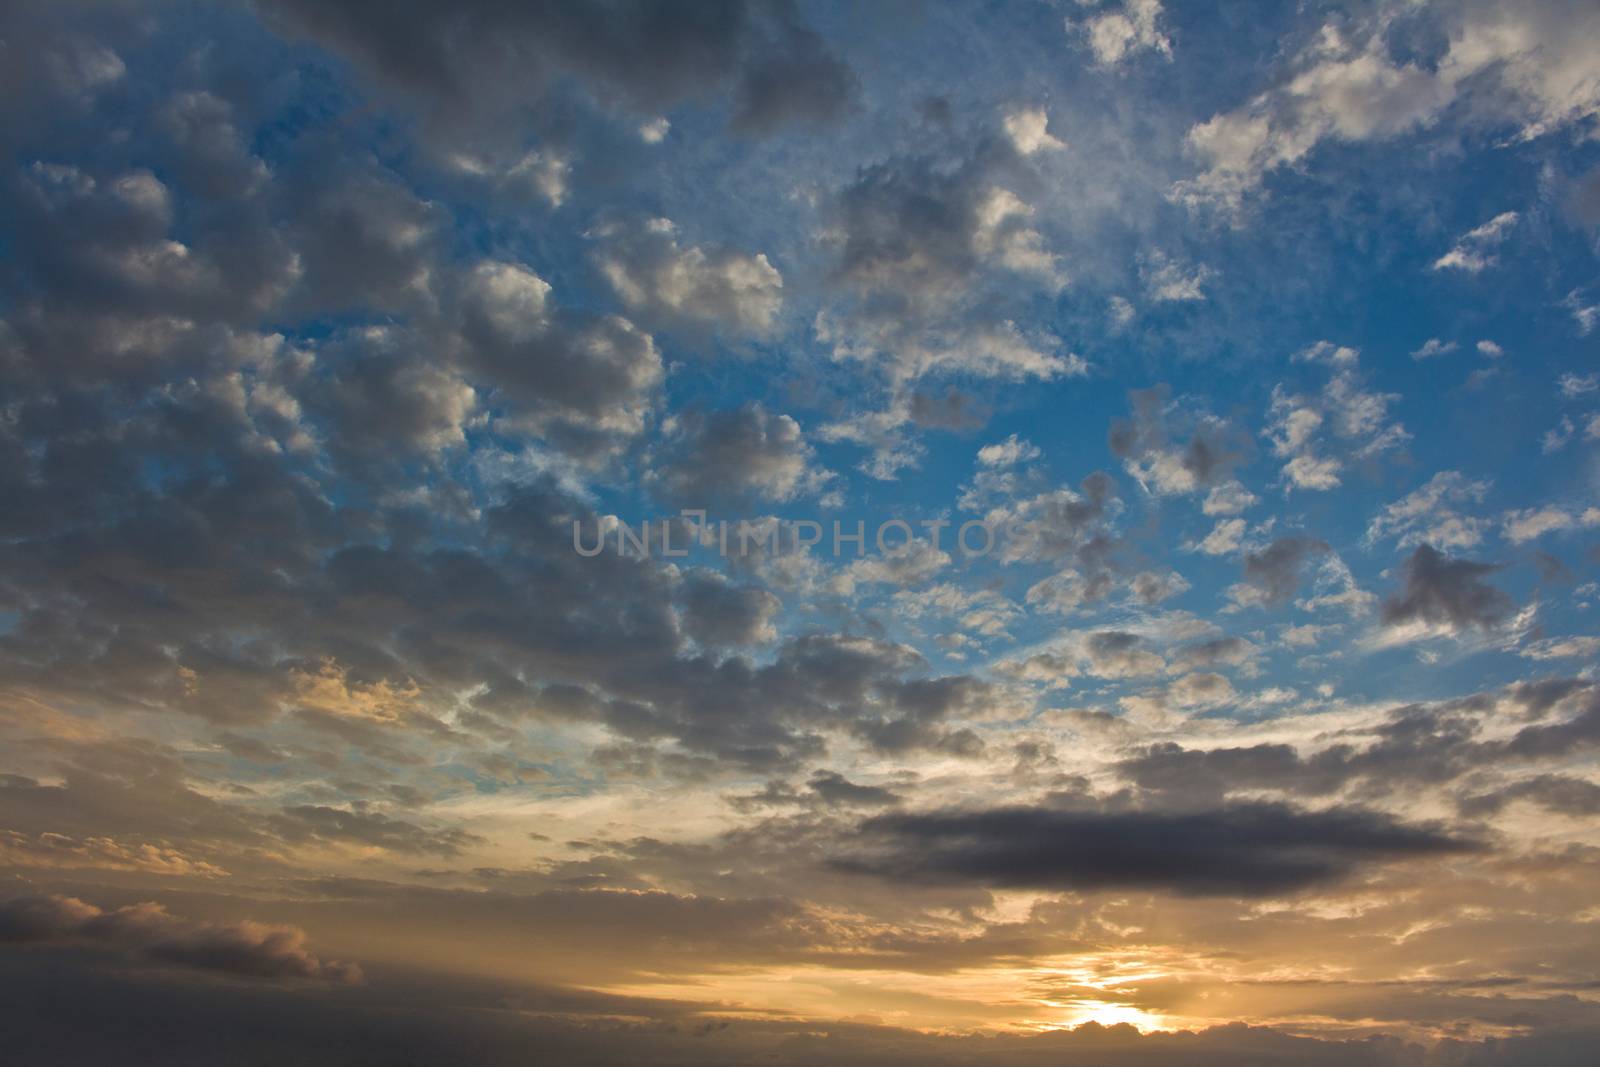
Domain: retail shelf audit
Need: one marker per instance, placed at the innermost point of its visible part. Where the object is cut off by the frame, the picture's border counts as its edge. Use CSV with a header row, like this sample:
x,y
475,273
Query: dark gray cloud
x,y
719,614
1558,793
1242,850
1272,575
483,62
247,949
1442,591
835,789
1417,744
585,380
913,228
1114,654
792,77
742,454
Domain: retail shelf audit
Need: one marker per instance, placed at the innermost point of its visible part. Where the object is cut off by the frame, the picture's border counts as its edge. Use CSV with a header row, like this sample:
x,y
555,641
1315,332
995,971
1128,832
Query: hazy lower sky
x,y
1097,507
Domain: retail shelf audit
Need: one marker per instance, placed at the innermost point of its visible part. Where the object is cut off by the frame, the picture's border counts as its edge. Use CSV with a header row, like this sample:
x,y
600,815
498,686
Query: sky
x,y
623,533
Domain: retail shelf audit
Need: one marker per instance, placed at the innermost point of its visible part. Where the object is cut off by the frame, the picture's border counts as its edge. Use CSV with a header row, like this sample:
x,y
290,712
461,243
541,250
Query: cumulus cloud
x,y
719,614
717,456
656,276
583,380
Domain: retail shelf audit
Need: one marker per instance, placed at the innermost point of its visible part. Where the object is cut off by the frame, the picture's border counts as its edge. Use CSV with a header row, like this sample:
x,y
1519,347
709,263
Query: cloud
x,y
1113,654
1230,651
1225,538
1166,281
1272,574
719,614
728,455
367,829
1573,386
1119,32
1007,453
1440,743
1358,420
1150,444
1028,129
1248,850
579,379
1445,594
1474,250
1434,347
248,949
53,851
478,65
792,78
1555,793
1525,65
1585,315
837,790
1531,523
1430,514
657,277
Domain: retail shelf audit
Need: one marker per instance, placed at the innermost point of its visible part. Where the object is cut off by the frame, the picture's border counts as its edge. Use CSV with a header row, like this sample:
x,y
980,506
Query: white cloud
x,y
1474,250
1224,539
1115,35
1007,453
1430,514
1563,648
1228,499
1120,312
1356,420
1019,248
1557,437
1029,131
1531,523
1167,281
1586,315
1529,64
1573,386
1434,347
